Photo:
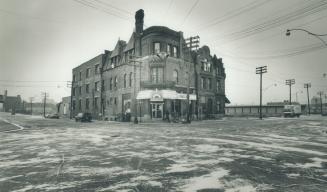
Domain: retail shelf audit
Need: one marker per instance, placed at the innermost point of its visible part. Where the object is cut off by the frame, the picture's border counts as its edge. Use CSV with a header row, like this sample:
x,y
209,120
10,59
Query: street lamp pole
x,y
318,36
290,82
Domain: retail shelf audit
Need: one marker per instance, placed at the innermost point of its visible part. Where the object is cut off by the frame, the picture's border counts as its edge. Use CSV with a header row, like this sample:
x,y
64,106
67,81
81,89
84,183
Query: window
x,y
209,83
74,91
96,86
169,49
175,76
102,85
96,102
80,75
206,65
110,84
110,102
80,104
175,51
80,90
203,83
115,101
218,85
88,72
74,78
97,69
74,105
87,88
116,82
156,74
87,103
130,79
156,48
125,80
113,62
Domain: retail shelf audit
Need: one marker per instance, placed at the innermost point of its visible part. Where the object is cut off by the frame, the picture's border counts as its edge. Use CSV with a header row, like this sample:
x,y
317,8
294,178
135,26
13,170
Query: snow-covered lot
x,y
234,155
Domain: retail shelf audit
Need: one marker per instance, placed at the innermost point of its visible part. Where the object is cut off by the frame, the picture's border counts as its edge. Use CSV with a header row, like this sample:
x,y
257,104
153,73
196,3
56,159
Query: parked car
x,y
52,116
83,117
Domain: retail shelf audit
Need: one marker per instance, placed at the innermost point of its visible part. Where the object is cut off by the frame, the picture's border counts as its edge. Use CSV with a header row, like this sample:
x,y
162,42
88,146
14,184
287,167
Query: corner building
x,y
149,77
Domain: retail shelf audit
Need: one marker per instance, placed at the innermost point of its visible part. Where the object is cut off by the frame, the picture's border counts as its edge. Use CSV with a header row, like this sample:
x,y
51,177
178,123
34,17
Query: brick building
x,y
149,76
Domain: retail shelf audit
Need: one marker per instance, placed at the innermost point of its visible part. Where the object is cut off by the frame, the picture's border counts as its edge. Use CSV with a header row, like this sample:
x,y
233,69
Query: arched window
x,y
110,84
130,79
116,82
175,76
125,80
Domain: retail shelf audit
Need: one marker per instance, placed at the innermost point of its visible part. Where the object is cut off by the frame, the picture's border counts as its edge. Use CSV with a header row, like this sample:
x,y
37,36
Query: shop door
x,y
156,110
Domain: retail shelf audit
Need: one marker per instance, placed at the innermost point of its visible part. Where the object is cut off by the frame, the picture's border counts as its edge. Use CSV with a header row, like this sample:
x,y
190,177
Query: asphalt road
x,y
231,155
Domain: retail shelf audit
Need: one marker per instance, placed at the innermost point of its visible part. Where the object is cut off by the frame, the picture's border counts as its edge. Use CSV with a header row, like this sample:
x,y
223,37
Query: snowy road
x,y
235,155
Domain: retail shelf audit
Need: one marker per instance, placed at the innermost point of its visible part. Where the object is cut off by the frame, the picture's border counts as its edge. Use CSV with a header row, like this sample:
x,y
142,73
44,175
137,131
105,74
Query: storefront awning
x,y
164,94
226,100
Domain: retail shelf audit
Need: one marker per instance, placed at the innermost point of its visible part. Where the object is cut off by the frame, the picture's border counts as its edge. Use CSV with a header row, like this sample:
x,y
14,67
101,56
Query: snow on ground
x,y
231,155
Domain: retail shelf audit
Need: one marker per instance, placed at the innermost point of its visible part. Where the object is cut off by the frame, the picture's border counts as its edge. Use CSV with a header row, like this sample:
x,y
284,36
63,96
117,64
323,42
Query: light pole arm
x,y
318,36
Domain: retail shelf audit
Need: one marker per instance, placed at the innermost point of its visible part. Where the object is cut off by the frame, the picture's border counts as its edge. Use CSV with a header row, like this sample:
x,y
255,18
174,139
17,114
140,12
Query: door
x,y
156,110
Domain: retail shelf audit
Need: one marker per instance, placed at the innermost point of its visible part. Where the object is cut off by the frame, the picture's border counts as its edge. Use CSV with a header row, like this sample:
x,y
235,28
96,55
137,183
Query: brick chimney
x,y
139,21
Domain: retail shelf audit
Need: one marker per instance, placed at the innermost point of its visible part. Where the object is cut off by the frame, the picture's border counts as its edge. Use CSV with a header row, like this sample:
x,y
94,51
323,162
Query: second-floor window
x,y
87,103
80,75
88,72
125,80
110,84
130,79
96,86
116,82
156,47
87,88
156,74
175,76
203,83
218,85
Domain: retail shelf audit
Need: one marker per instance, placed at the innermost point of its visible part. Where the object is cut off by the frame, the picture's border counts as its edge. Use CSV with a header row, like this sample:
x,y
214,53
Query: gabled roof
x,y
118,48
130,44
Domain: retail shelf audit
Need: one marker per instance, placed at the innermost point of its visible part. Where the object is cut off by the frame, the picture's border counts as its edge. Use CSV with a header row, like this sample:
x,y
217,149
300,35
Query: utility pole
x,y
31,103
191,43
261,70
133,58
70,85
45,95
290,82
320,93
307,86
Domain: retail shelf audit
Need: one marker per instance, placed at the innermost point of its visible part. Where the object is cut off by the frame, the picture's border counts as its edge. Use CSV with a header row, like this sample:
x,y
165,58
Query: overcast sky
x,y
42,40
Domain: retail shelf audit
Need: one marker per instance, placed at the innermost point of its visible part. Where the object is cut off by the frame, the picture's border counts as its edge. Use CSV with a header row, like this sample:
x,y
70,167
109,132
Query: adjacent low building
x,y
153,76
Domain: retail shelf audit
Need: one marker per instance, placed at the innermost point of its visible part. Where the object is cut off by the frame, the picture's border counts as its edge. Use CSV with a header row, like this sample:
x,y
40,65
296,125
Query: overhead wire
x,y
190,11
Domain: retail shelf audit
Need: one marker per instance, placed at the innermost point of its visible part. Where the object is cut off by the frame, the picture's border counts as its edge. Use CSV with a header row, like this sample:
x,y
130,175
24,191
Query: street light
x,y
318,36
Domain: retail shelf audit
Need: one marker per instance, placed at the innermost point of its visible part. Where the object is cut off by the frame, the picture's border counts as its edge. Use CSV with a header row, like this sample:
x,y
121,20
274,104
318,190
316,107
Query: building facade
x,y
152,76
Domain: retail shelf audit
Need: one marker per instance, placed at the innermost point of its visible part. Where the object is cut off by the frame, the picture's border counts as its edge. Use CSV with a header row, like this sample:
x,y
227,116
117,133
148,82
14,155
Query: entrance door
x,y
156,110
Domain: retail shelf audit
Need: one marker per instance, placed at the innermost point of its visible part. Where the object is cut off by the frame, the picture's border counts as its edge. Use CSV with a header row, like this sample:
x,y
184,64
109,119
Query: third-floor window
x,y
88,72
97,69
156,47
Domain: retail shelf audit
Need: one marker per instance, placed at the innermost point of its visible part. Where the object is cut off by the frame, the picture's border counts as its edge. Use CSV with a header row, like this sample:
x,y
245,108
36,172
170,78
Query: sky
x,y
41,41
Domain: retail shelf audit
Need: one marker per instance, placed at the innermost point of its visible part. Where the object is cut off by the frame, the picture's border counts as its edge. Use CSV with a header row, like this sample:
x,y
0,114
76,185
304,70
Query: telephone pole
x,y
261,70
307,86
191,43
320,93
45,95
290,82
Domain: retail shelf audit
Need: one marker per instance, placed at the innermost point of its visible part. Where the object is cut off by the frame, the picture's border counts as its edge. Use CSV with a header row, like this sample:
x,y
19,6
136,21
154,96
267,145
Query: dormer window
x,y
206,65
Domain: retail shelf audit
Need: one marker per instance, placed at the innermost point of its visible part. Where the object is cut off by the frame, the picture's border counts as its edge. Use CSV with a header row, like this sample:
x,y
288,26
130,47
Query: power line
x,y
93,6
232,14
190,11
258,28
